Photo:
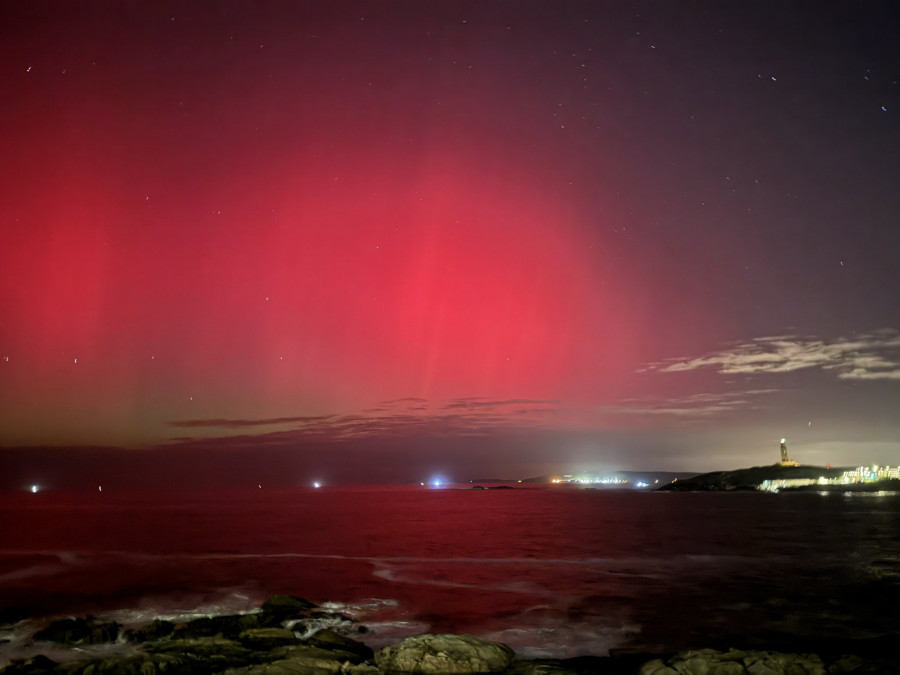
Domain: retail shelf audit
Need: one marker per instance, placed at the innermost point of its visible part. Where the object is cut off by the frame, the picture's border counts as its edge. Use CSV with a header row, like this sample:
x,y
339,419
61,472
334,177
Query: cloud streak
x,y
394,419
241,424
478,402
692,406
875,356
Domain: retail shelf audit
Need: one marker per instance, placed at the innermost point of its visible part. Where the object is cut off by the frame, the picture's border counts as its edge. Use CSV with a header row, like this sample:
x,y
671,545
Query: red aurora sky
x,y
469,237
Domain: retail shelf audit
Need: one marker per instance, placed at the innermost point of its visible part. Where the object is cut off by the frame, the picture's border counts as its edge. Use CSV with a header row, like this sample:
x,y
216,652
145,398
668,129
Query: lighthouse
x,y
785,460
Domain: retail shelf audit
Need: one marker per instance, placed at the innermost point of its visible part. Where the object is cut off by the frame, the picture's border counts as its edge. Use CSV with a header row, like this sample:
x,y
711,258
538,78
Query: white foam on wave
x,y
49,567
182,608
84,557
17,642
560,639
383,633
364,607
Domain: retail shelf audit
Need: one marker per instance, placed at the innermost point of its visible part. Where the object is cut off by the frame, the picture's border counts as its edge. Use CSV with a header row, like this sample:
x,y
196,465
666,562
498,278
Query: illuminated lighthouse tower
x,y
785,460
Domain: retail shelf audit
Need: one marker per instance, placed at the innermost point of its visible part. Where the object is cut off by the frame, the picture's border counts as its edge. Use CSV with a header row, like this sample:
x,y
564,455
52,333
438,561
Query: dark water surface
x,y
556,572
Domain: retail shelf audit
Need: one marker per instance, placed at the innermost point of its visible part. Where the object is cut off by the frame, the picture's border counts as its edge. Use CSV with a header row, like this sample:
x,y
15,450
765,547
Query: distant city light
x,y
586,479
34,488
317,484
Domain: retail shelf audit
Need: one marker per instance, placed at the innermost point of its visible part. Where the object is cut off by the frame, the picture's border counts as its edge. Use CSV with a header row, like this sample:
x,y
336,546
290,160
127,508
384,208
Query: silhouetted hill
x,y
747,479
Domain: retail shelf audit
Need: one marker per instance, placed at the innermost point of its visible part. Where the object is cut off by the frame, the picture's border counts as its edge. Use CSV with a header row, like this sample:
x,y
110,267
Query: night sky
x,y
278,242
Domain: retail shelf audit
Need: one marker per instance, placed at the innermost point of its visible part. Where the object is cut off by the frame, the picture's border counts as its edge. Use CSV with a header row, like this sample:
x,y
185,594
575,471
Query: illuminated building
x,y
785,460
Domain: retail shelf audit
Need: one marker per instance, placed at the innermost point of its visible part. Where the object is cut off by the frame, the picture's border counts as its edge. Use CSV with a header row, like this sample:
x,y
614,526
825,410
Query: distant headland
x,y
789,475
785,475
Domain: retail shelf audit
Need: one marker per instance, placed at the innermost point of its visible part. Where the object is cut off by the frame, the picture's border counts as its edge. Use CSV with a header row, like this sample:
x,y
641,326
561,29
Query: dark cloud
x,y
241,423
467,418
481,402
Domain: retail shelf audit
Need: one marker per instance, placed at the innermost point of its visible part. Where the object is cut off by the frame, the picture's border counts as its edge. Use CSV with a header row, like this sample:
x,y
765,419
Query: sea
x,y
551,571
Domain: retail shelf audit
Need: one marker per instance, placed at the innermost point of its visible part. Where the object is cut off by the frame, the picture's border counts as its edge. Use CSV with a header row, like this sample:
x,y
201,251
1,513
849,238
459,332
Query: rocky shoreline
x,y
285,638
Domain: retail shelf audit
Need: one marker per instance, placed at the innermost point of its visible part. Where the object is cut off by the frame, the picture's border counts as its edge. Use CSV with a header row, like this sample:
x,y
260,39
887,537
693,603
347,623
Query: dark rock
x,y
310,662
205,655
229,626
37,665
266,639
139,664
736,662
87,631
445,654
308,659
541,667
281,607
328,639
156,630
594,665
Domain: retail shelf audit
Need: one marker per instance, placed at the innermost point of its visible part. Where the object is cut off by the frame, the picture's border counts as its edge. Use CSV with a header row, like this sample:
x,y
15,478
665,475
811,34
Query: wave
x,y
77,557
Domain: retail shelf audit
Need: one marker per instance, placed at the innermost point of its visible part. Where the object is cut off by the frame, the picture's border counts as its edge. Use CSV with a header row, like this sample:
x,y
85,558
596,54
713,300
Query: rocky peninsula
x,y
277,639
748,479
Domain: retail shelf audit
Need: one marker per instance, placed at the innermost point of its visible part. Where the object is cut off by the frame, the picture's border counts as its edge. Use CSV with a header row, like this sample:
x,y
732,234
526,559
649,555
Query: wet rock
x,y
735,662
207,655
298,666
37,665
537,668
444,654
139,664
360,669
328,639
87,631
266,639
308,652
279,608
229,626
156,630
579,665
306,659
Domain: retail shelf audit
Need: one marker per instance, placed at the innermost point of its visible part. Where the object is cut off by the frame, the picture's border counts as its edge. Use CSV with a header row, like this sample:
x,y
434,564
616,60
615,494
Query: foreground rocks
x,y
87,631
279,639
445,654
756,662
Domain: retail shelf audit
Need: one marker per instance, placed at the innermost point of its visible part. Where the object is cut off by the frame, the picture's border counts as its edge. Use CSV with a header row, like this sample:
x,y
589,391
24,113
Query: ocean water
x,y
550,571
